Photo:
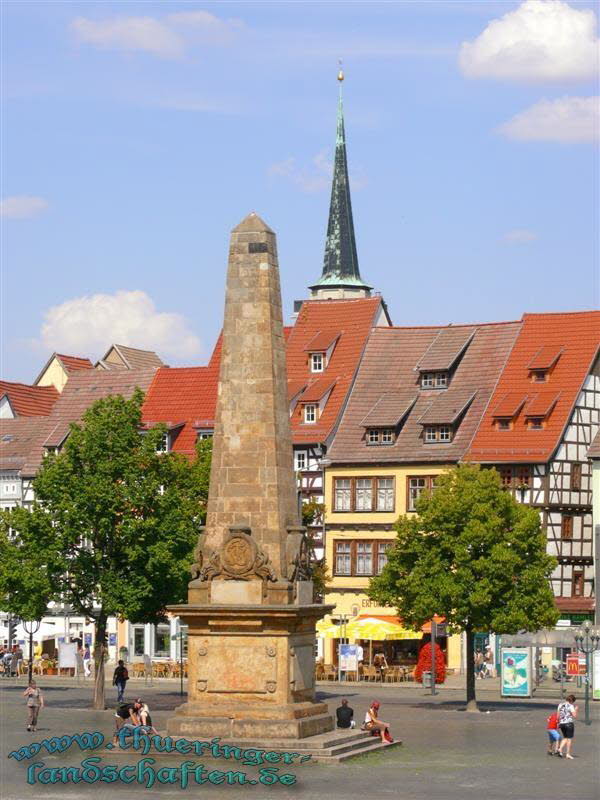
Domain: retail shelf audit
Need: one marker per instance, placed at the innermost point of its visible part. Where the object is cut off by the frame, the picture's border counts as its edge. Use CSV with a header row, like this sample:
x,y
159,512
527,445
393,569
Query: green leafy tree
x,y
474,555
312,513
112,529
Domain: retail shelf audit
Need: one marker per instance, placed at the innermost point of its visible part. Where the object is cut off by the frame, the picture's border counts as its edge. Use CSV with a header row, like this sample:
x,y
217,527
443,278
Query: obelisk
x,y
250,613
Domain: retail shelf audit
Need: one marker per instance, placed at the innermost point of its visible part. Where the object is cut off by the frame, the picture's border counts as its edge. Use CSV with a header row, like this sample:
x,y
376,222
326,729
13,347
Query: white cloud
x,y
542,40
313,177
166,37
519,236
568,119
89,324
20,206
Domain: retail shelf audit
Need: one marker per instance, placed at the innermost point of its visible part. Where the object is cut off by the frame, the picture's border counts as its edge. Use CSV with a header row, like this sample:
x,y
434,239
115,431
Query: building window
x,y
523,476
380,436
317,362
300,459
576,477
513,477
163,444
577,583
535,423
373,436
566,527
364,494
416,486
539,376
387,436
385,494
364,558
138,640
506,475
310,413
503,424
434,380
438,433
162,641
342,497
205,435
343,558
382,555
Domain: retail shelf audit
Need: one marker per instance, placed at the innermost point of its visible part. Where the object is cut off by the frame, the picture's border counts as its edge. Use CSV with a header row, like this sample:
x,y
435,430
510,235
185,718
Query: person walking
x,y
377,726
344,715
87,661
35,701
567,713
554,736
120,678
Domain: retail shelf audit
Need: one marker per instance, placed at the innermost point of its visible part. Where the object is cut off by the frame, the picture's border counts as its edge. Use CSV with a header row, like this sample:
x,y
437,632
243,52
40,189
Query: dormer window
x,y
539,375
434,380
310,413
380,436
437,434
503,424
317,362
163,444
535,423
205,434
543,362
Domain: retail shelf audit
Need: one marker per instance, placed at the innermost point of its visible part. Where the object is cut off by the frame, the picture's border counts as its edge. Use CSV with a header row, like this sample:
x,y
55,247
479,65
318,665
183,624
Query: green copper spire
x,y
340,267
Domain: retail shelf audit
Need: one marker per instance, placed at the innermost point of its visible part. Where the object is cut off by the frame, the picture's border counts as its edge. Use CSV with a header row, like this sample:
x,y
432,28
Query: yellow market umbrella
x,y
379,630
327,630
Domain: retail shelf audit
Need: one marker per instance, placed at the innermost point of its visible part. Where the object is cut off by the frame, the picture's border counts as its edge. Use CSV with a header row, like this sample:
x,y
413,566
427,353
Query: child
x,y
554,736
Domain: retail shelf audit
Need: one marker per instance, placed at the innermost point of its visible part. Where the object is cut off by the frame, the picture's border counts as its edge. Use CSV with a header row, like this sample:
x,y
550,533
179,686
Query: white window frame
x,y
205,434
383,549
385,494
300,460
430,434
343,555
310,413
428,380
364,557
363,491
445,433
317,362
342,494
163,445
441,380
387,436
373,436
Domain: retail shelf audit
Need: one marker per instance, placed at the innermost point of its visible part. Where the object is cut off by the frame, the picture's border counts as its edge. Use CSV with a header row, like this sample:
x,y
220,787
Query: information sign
x,y
348,657
516,672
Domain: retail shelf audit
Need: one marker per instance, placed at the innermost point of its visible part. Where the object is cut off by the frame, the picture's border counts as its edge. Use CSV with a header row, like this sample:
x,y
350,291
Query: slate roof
x,y
81,390
29,401
388,369
133,358
18,437
445,349
577,336
186,395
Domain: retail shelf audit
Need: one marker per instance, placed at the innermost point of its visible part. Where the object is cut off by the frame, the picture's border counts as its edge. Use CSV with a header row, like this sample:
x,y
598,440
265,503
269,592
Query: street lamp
x,y
587,641
30,627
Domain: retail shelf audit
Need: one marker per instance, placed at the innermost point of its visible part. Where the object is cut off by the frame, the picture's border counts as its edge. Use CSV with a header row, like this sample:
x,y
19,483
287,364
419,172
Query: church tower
x,y
341,276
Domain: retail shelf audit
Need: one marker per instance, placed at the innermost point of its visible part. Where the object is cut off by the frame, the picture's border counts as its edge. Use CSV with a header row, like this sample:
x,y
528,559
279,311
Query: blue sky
x,y
136,135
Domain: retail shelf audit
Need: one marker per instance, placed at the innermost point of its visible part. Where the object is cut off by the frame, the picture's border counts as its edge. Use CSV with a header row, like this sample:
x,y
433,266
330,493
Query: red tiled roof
x,y
317,390
510,404
295,387
18,437
74,363
321,342
353,321
575,603
388,370
29,401
541,404
545,357
183,394
578,334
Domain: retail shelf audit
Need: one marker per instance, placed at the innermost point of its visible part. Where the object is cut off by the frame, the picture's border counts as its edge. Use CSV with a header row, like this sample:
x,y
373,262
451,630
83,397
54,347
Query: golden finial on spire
x,y
341,72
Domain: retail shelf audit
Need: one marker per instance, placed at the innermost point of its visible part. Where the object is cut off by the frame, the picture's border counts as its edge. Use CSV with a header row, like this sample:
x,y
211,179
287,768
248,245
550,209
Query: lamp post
x,y
587,641
30,627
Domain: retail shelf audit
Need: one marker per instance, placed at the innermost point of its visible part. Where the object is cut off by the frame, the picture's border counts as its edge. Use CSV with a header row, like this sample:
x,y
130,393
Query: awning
x,y
379,630
327,630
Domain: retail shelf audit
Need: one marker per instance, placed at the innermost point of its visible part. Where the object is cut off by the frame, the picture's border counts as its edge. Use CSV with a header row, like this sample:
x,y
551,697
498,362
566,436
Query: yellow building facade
x,y
362,505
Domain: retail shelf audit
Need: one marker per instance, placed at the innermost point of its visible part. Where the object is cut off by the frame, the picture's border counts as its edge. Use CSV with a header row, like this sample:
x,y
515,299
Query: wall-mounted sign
x,y
516,672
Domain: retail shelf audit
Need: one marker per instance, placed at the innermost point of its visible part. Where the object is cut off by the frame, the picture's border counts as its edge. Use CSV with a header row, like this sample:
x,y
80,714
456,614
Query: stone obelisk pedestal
x,y
250,612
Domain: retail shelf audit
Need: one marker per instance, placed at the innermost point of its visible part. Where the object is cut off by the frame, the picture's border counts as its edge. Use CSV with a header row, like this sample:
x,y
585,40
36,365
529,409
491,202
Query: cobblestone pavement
x,y
446,754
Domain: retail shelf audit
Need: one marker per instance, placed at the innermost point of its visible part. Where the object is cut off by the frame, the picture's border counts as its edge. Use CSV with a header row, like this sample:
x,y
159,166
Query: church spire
x,y
341,276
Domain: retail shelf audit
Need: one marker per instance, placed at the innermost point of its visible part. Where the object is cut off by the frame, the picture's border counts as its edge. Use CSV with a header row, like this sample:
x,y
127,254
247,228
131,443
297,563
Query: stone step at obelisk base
x,y
250,613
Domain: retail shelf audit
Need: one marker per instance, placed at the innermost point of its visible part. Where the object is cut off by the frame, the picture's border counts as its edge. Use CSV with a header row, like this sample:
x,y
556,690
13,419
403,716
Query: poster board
x,y
596,675
516,680
67,655
348,657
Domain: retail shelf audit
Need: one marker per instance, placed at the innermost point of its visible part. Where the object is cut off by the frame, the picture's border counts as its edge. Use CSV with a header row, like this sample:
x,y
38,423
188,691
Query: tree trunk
x,y
470,657
99,651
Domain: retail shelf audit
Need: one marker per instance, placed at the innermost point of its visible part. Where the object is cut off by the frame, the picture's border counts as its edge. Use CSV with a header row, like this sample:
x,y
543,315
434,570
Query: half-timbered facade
x,y
537,431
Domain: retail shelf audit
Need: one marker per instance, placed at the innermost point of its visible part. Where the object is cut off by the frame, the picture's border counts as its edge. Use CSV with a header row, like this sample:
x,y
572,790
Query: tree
x,y
112,528
312,513
473,555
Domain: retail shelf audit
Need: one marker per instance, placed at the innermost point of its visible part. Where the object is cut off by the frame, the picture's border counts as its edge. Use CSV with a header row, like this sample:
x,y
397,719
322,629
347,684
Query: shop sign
x,y
575,665
516,672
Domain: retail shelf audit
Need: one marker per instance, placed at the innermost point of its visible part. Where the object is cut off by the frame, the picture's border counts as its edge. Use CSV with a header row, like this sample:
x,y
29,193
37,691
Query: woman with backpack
x,y
120,678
